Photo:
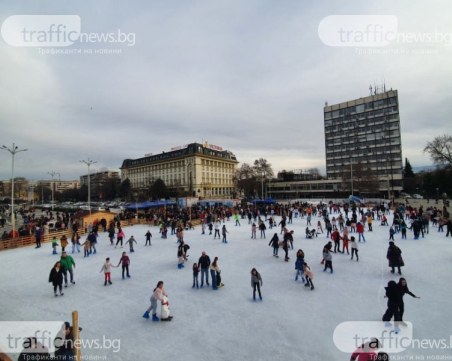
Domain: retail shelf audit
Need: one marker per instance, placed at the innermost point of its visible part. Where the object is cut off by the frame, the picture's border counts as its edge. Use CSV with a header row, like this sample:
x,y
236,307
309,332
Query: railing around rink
x,y
25,241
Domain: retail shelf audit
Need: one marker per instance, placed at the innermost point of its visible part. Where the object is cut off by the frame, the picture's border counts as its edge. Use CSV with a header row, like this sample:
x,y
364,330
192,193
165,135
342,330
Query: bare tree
x,y
245,179
440,150
263,168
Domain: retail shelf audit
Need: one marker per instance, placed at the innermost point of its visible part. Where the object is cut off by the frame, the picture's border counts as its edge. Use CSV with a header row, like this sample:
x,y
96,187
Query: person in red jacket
x,y
366,352
360,230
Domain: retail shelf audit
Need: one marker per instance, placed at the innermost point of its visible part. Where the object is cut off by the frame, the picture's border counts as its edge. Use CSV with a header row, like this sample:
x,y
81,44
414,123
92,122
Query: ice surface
x,y
291,323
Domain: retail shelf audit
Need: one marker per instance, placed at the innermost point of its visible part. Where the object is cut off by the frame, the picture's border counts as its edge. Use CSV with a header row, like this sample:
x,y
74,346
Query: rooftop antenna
x,y
370,89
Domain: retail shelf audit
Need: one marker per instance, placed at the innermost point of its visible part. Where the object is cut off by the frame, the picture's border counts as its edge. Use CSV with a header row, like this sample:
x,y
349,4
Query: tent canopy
x,y
149,204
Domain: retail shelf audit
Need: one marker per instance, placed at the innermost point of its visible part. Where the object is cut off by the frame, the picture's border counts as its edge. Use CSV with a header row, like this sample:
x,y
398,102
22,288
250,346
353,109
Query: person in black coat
x,y
274,242
56,277
394,296
403,286
394,256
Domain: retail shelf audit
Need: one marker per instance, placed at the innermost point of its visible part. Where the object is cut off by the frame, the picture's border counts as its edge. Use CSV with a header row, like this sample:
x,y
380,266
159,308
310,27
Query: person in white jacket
x,y
106,268
354,247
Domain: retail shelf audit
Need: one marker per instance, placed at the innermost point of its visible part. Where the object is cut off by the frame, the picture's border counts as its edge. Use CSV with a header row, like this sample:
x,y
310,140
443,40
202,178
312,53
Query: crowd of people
x,y
343,226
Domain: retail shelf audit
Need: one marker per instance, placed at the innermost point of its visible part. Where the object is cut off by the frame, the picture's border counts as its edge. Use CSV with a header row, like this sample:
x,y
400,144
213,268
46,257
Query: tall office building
x,y
201,170
362,141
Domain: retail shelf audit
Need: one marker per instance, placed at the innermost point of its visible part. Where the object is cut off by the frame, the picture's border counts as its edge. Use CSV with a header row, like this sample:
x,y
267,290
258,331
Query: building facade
x,y
363,142
99,181
200,170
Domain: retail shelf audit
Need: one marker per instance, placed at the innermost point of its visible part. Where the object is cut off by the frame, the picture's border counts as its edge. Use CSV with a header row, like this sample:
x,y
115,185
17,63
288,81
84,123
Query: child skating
x,y
256,283
106,268
125,261
131,241
148,236
157,295
195,275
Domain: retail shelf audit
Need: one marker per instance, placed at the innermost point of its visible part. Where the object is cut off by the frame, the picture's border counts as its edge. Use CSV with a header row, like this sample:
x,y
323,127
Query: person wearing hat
x,y
67,263
394,256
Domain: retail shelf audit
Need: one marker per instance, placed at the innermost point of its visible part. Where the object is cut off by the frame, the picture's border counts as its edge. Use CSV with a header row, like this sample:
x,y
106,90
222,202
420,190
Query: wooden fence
x,y
30,240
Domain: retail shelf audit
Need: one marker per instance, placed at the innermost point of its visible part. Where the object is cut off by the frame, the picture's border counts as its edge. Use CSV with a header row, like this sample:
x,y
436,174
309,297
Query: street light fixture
x,y
52,174
88,162
15,149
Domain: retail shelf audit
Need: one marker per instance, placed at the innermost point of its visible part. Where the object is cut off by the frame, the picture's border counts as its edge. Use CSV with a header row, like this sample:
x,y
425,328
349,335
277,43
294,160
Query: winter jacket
x,y
56,276
67,262
360,228
299,263
394,256
125,260
204,262
274,242
106,267
256,279
63,241
158,294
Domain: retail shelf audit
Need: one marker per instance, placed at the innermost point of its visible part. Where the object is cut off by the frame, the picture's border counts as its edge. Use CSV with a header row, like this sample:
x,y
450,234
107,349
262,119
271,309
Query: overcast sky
x,y
251,76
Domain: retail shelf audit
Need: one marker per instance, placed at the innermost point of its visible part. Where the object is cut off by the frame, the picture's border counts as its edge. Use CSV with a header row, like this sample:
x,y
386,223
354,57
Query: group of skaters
x,y
66,265
395,306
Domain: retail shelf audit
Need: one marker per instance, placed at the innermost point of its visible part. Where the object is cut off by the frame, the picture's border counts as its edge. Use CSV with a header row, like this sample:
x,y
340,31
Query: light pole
x,y
351,174
437,195
88,162
52,174
262,184
15,149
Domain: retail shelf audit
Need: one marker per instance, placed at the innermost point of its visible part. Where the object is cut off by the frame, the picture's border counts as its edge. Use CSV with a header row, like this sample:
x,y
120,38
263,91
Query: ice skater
x,y
224,232
256,283
56,277
148,236
309,275
131,241
274,242
327,257
157,295
106,268
67,264
203,265
403,286
195,275
394,256
124,261
354,246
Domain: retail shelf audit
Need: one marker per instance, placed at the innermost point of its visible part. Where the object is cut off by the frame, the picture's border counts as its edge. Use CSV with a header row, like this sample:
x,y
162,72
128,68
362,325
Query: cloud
x,y
250,76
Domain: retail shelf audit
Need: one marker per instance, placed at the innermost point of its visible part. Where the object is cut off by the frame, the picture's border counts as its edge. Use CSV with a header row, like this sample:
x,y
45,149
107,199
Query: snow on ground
x,y
291,323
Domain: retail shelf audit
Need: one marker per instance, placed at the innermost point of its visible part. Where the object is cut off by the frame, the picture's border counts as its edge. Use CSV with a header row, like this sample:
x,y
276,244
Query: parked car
x,y
404,195
417,196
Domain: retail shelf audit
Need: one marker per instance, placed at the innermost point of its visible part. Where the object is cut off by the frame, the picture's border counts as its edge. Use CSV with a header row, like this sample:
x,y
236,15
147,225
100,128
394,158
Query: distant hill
x,y
424,168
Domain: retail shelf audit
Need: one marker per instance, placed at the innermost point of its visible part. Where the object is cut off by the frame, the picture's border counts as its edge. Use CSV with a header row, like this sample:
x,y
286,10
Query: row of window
x,y
386,112
388,102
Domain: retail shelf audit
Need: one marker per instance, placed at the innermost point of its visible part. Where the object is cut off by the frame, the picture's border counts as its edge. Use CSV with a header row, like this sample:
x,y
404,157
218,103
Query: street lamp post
x,y
15,149
262,184
88,162
351,174
437,195
52,174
